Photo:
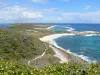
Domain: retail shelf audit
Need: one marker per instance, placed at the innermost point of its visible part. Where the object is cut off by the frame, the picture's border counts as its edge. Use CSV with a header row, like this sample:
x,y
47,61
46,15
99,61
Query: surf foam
x,y
51,40
69,28
68,51
51,27
92,35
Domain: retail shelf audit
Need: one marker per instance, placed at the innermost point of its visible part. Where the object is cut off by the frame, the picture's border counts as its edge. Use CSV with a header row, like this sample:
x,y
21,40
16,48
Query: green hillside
x,y
18,47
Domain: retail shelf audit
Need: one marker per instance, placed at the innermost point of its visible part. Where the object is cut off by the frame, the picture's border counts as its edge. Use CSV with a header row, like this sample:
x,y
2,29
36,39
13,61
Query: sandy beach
x,y
50,38
60,53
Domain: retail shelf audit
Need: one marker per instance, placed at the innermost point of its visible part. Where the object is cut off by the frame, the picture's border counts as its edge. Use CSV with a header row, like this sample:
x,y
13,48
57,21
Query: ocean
x,y
4,25
76,27
86,47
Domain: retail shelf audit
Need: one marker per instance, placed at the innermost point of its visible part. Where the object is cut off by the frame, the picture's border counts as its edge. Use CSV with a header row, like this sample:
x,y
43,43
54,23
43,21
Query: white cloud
x,y
52,19
39,1
32,15
22,14
91,17
18,13
87,7
49,10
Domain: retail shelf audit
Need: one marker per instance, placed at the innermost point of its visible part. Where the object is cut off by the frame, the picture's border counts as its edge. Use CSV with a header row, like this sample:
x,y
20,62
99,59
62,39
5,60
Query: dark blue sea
x,y
86,47
4,25
76,27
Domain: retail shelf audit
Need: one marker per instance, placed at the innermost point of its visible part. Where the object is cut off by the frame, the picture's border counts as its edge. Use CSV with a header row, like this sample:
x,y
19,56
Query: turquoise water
x,y
87,47
81,45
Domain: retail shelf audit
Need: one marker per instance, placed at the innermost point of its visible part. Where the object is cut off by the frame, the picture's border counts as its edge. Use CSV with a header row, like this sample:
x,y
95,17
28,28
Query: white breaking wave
x,y
93,35
69,28
68,51
83,57
51,40
51,27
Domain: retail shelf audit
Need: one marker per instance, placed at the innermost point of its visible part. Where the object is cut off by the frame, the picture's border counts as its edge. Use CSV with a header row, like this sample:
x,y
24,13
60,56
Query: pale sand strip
x,y
64,56
60,52
49,38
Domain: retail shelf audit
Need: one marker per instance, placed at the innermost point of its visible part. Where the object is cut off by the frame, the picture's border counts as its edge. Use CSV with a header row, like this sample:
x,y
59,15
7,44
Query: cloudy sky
x,y
56,11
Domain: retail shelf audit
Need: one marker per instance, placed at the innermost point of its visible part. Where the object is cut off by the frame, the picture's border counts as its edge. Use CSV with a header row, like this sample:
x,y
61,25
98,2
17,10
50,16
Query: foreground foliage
x,y
14,68
11,68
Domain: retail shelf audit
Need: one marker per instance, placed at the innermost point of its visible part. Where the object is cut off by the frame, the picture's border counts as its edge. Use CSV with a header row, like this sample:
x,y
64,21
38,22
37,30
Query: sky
x,y
49,11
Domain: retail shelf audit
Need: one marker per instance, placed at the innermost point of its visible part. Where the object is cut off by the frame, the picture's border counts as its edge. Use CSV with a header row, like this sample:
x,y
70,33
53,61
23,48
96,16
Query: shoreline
x,y
50,27
61,53
50,40
66,57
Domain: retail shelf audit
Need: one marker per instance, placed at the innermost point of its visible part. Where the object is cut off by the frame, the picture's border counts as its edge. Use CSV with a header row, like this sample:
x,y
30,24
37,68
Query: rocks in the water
x,y
86,33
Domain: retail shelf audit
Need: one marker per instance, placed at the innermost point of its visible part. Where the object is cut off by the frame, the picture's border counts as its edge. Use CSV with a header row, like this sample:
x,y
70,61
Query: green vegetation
x,y
26,26
17,47
73,69
12,68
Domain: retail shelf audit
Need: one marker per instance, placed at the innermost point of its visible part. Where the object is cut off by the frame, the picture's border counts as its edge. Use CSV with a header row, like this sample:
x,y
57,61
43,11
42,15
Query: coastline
x,y
61,53
49,38
66,57
50,27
